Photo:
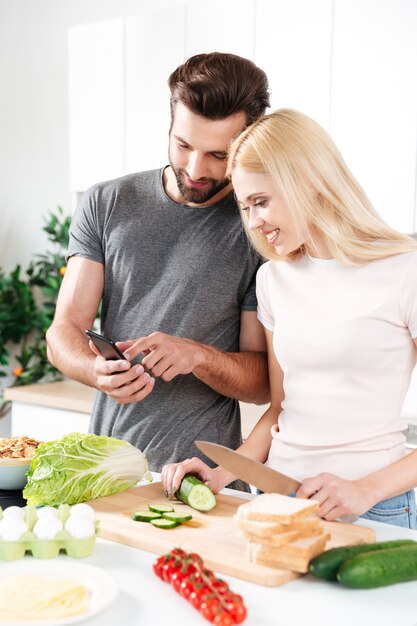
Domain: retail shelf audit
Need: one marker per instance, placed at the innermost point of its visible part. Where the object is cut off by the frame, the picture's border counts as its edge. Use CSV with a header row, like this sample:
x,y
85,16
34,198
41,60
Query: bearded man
x,y
166,255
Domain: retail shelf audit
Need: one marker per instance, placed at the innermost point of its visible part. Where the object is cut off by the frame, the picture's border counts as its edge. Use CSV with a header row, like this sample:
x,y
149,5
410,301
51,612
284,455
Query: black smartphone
x,y
107,347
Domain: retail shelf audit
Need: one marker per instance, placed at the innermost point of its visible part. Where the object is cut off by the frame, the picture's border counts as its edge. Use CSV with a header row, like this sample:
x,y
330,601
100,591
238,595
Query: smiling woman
x,y
338,303
311,188
268,212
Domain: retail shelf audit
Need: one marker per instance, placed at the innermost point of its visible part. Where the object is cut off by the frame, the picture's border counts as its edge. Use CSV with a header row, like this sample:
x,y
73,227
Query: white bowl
x,y
13,473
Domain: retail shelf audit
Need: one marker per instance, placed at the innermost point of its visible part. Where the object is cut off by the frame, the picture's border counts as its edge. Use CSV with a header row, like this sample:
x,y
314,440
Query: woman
x,y
338,301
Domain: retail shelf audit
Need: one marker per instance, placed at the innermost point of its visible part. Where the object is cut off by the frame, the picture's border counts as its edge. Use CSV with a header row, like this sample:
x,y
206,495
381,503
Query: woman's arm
x,y
258,443
339,497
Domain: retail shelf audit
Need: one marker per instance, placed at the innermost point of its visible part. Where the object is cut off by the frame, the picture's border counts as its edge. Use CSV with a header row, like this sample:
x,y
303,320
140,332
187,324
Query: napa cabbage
x,y
82,467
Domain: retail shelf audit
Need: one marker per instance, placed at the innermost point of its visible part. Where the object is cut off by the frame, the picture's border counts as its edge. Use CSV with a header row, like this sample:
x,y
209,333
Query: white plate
x,y
102,586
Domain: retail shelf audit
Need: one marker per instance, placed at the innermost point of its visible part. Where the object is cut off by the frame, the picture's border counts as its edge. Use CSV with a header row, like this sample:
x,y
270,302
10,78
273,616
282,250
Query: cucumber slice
x,y
164,523
160,508
196,494
145,516
177,517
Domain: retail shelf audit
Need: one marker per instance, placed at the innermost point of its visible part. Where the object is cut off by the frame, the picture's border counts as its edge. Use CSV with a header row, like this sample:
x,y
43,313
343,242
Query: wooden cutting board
x,y
213,535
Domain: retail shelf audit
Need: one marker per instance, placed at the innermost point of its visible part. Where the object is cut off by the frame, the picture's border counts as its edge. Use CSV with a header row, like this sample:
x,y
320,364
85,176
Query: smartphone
x,y
107,347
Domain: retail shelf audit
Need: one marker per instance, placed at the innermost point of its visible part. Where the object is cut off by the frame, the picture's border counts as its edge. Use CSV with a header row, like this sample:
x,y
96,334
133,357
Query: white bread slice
x,y
266,529
308,547
295,555
273,507
278,540
281,559
295,564
281,539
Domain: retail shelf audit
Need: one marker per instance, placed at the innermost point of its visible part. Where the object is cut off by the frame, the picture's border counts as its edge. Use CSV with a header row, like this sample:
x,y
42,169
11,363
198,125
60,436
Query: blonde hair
x,y
321,193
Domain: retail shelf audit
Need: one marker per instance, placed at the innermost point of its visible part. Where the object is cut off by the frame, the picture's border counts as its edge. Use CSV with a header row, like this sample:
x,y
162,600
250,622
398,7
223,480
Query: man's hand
x,y
166,356
120,380
337,497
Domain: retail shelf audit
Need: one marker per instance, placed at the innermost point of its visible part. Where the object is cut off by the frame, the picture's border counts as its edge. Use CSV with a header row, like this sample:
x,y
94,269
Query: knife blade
x,y
254,473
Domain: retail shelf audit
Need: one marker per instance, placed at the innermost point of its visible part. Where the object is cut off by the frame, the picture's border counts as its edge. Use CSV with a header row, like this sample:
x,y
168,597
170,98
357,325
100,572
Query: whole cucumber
x,y
379,569
326,565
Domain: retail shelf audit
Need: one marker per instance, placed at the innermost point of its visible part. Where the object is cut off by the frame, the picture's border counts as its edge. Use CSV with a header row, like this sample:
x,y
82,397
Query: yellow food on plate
x,y
33,598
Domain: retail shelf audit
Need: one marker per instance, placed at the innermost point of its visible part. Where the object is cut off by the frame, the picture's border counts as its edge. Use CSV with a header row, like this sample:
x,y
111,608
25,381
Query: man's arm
x,y
239,375
68,347
76,310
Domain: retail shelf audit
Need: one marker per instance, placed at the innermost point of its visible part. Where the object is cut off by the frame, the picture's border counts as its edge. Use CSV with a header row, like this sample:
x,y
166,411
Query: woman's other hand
x,y
337,497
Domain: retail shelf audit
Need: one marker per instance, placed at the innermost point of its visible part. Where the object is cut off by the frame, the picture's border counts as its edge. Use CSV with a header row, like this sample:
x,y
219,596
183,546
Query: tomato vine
x,y
201,587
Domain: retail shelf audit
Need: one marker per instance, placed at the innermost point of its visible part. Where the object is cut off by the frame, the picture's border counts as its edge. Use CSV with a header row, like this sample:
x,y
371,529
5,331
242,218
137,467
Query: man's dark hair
x,y
217,85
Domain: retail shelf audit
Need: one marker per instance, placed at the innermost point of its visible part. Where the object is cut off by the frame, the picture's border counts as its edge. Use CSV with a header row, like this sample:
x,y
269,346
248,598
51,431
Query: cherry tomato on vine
x,y
195,598
196,558
157,566
209,608
220,585
223,619
177,578
169,568
186,588
178,552
201,587
238,612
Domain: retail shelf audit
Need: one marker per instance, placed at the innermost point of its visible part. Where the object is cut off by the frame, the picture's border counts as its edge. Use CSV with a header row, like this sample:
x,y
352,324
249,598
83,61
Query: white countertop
x,y
145,600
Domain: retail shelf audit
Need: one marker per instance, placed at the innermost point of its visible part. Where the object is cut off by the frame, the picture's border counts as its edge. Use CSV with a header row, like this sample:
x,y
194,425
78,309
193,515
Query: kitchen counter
x,y
50,410
144,600
64,394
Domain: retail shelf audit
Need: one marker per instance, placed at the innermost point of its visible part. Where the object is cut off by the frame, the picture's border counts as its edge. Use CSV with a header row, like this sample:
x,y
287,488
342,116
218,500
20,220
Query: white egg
x,y
47,527
12,528
83,509
46,511
14,511
80,526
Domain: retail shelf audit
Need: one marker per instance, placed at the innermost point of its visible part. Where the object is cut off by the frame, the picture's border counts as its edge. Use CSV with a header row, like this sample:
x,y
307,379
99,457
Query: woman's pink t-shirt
x,y
343,336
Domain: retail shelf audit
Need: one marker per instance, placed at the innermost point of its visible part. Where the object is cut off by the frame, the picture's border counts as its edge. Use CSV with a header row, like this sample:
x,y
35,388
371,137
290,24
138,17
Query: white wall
x,y
34,176
34,145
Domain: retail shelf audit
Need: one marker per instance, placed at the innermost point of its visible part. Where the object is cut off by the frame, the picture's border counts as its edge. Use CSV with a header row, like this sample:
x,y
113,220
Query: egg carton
x,y
46,548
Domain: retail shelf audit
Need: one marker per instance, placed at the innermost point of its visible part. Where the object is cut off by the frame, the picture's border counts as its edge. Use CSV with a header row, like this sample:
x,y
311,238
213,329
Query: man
x,y
166,254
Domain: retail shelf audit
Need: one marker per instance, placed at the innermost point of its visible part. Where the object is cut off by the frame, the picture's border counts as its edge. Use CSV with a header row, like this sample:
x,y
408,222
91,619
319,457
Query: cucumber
x,y
160,508
196,494
164,523
326,565
177,517
145,516
380,568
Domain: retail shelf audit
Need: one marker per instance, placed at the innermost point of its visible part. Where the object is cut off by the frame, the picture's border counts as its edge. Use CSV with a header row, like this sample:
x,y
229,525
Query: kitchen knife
x,y
253,472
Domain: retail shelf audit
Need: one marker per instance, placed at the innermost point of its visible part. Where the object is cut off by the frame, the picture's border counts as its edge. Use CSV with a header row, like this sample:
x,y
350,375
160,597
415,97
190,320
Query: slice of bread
x,y
259,554
266,529
281,539
308,547
295,556
273,507
277,540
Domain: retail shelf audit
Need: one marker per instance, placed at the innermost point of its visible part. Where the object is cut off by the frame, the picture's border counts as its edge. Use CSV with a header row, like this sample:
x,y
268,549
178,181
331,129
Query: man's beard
x,y
198,196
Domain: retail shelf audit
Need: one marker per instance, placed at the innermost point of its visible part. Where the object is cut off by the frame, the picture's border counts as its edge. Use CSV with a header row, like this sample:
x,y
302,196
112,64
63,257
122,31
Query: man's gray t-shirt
x,y
186,271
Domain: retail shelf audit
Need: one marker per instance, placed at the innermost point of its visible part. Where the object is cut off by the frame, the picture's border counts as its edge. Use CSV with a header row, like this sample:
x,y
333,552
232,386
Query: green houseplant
x,y
27,306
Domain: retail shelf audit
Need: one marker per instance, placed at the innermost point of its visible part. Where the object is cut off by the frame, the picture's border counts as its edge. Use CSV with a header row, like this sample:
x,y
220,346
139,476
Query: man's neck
x,y
169,182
